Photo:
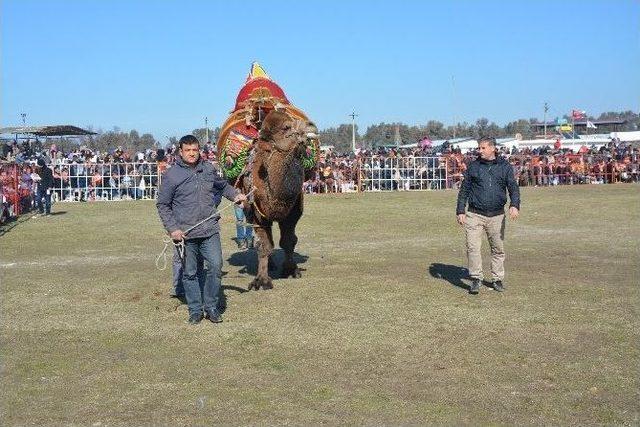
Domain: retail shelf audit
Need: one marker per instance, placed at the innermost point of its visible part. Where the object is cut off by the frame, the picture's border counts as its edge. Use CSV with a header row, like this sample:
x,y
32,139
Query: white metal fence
x,y
113,181
404,174
140,181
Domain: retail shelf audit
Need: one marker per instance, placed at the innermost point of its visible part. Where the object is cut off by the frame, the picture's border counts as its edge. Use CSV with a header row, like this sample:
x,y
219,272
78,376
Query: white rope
x,y
163,255
180,243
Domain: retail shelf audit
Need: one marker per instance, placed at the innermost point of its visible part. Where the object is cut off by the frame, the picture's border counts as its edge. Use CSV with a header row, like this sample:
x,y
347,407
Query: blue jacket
x,y
190,194
485,185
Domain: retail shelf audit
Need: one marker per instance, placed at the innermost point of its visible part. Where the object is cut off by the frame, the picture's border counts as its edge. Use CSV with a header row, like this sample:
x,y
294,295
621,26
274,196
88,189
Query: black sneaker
x,y
498,286
213,316
195,318
474,289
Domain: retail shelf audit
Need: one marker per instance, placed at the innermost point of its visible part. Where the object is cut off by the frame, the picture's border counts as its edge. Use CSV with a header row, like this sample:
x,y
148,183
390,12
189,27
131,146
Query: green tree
x,y
436,130
482,124
201,134
147,140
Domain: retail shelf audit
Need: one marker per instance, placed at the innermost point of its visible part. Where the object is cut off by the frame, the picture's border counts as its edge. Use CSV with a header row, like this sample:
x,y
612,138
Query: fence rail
x,y
102,182
140,181
404,174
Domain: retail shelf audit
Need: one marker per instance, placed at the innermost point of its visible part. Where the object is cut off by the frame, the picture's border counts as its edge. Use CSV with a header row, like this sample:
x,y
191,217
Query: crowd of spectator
x,y
444,167
85,175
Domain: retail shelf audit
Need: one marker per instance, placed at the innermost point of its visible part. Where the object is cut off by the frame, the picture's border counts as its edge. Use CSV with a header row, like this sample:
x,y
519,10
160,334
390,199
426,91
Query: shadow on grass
x,y
248,260
451,273
10,223
222,297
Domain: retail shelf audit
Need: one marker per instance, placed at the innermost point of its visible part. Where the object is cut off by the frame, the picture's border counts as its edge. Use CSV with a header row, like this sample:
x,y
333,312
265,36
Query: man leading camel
x,y
188,195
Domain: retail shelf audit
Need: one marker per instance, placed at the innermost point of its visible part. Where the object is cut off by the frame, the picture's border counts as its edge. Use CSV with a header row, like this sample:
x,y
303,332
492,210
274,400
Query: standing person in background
x,y
244,231
44,186
484,187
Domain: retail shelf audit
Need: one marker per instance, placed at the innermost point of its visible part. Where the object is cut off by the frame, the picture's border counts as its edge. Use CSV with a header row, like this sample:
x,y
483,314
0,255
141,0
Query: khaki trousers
x,y
475,226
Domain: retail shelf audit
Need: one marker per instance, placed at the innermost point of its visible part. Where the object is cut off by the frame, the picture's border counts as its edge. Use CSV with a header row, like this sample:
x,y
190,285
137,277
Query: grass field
x,y
379,330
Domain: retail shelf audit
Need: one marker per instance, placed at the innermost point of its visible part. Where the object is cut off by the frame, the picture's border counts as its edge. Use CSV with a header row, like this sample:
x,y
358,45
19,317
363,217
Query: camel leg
x,y
264,248
288,241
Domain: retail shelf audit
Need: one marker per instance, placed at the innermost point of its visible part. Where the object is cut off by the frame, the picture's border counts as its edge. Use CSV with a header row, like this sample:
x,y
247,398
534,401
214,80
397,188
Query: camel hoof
x,y
260,283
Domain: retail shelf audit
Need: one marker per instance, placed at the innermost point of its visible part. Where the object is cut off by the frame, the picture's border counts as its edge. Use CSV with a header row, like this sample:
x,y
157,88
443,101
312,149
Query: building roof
x,y
57,130
583,123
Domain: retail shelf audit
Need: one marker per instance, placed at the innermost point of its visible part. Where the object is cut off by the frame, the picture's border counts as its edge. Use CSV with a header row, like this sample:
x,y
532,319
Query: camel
x,y
276,174
265,147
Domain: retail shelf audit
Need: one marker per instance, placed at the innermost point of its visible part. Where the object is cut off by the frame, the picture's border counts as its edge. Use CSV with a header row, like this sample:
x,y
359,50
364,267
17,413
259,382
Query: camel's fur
x,y
277,175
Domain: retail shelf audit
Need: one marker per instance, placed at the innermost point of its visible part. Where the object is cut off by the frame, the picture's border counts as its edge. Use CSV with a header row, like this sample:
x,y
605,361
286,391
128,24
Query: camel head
x,y
285,133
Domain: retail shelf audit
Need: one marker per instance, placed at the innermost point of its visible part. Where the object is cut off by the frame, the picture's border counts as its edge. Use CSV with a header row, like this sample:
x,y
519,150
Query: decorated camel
x,y
264,148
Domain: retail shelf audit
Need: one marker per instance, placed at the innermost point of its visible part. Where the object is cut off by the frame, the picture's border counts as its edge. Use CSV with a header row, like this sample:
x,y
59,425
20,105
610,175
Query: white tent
x,y
626,136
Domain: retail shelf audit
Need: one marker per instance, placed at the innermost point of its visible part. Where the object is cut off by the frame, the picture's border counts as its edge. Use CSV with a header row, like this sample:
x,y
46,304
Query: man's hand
x,y
513,212
177,235
461,218
240,198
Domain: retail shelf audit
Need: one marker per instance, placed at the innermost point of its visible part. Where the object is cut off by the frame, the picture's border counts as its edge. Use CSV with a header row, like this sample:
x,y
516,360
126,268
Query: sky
x,y
161,67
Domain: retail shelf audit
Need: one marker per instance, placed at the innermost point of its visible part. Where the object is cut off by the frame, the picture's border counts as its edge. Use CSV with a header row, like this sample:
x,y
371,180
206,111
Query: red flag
x,y
578,114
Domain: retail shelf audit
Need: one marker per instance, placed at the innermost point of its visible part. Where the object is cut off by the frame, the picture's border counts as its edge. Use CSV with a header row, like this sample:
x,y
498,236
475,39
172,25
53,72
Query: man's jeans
x,y
211,251
178,270
242,231
43,207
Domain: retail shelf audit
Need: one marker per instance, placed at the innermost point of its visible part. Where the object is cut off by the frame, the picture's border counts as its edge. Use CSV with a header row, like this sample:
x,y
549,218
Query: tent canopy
x,y
57,130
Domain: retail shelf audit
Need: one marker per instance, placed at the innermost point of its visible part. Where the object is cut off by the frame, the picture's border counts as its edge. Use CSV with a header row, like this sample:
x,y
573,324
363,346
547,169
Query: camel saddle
x,y
238,135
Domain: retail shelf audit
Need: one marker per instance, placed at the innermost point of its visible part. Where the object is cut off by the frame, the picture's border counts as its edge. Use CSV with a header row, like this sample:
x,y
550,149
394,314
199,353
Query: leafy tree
x,y
339,137
436,130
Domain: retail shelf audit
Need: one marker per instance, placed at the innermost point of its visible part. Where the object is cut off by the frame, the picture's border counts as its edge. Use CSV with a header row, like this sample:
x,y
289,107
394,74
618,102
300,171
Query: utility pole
x,y
353,116
546,108
453,87
24,124
396,136
206,129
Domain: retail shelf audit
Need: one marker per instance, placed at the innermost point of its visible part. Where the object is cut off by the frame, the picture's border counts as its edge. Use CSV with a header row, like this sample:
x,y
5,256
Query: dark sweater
x,y
46,178
485,185
190,194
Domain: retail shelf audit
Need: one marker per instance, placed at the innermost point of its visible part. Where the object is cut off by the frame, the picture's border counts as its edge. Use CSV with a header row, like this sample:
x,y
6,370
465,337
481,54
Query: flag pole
x,y
586,123
546,108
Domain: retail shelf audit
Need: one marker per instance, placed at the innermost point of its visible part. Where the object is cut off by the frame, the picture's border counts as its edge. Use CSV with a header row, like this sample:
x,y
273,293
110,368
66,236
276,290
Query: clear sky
x,y
162,66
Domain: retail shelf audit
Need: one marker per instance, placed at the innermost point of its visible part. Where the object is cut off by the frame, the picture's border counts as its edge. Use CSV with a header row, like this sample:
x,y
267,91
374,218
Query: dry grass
x,y
376,331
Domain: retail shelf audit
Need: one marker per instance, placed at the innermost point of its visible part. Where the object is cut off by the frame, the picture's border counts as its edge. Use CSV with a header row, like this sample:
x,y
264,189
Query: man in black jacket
x,y
43,190
187,201
484,187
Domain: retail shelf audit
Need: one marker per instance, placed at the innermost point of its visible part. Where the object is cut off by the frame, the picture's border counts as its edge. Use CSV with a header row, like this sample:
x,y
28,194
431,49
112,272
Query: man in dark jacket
x,y
189,194
484,187
43,190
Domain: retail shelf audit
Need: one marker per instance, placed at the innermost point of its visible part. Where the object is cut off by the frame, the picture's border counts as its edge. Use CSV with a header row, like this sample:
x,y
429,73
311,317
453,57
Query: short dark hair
x,y
488,139
188,140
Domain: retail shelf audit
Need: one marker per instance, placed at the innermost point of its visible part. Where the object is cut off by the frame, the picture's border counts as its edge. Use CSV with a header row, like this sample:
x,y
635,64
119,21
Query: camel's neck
x,y
285,175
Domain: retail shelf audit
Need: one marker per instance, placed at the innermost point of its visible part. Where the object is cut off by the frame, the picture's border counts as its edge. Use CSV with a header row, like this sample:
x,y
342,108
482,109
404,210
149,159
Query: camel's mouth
x,y
290,137
293,136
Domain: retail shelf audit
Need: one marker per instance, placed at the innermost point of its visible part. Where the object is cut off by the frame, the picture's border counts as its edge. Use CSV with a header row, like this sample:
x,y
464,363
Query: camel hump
x,y
258,98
